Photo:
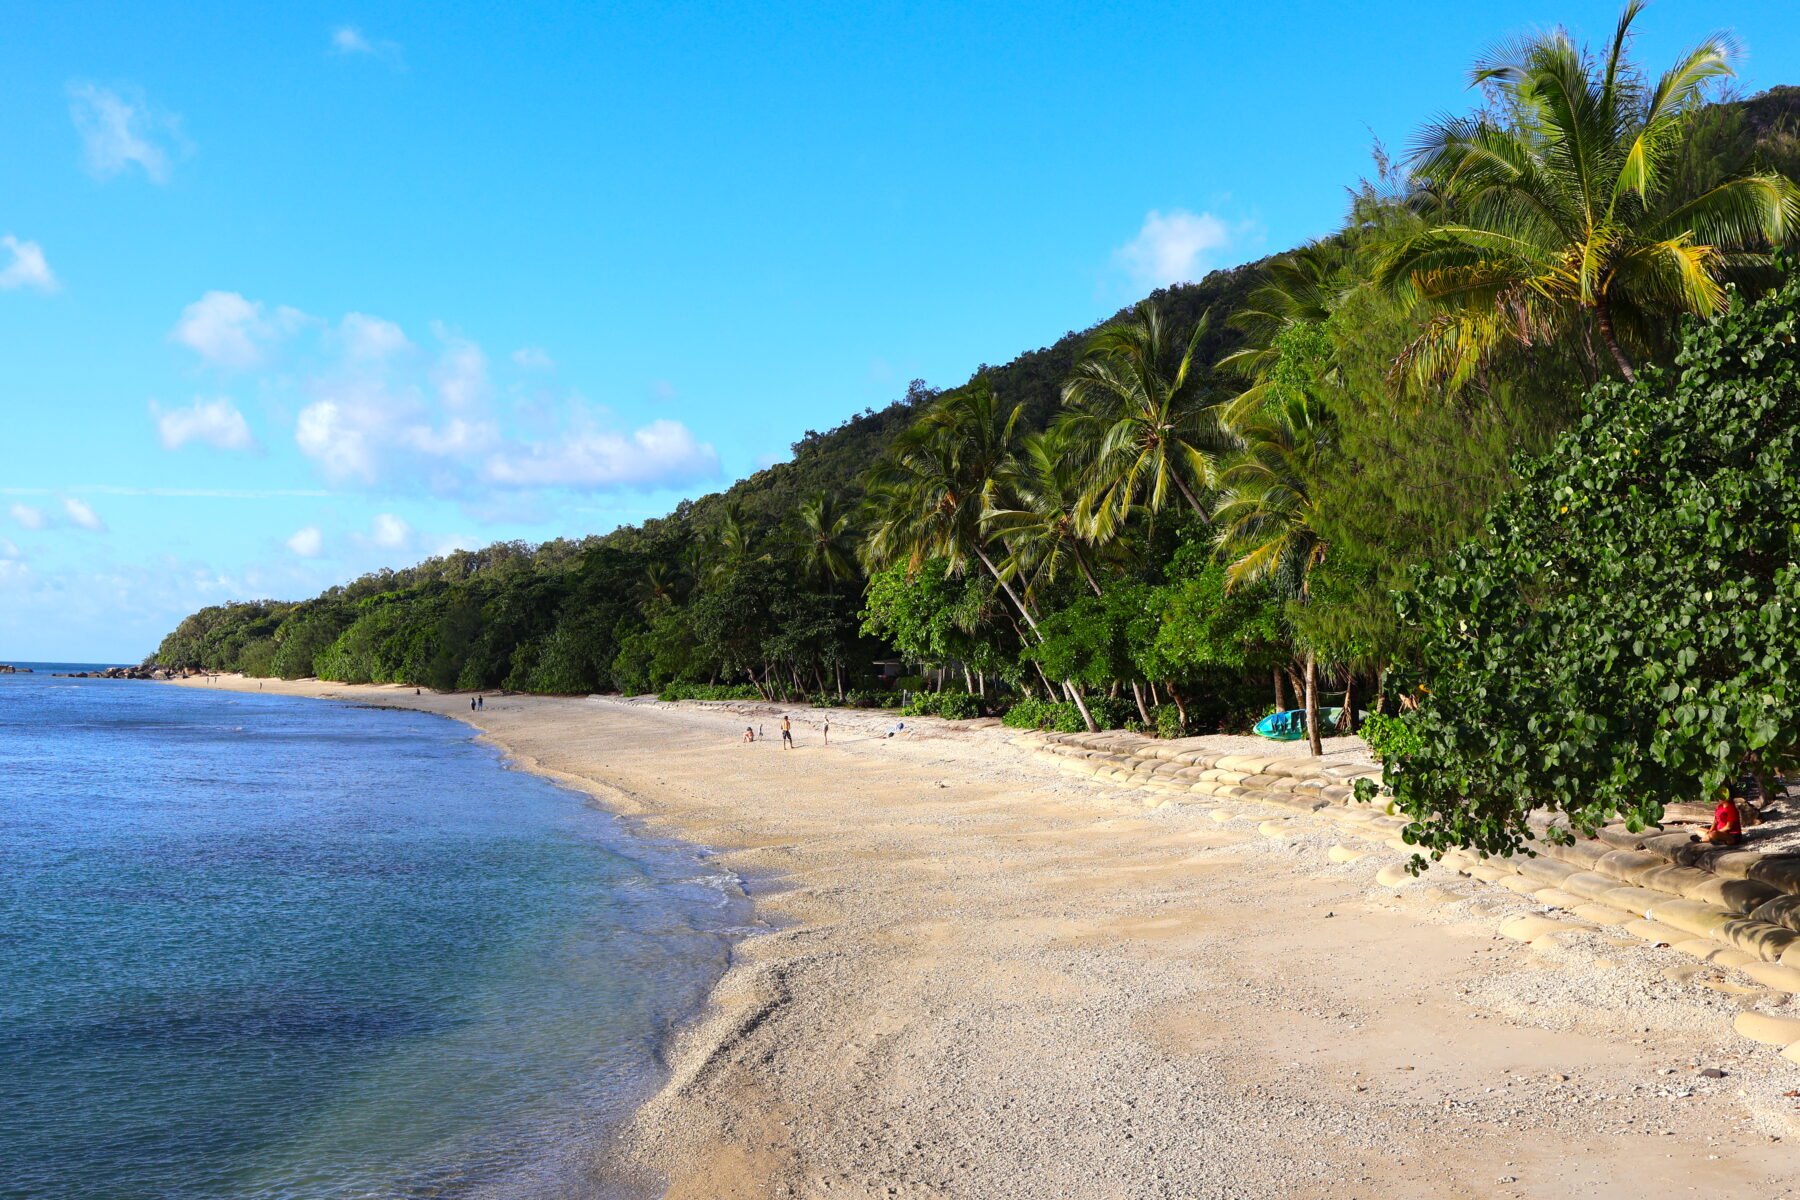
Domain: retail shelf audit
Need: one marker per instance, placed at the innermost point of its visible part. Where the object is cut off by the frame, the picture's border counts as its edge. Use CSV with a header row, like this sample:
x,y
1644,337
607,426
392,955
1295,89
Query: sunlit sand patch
x,y
1157,929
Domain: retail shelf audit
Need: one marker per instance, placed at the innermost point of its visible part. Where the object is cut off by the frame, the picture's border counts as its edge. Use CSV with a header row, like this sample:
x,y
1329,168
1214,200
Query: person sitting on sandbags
x,y
1728,822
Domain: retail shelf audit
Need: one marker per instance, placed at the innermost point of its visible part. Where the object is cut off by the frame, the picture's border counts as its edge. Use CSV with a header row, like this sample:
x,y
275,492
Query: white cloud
x,y
367,337
371,423
377,412
461,374
351,42
28,517
118,130
307,542
228,330
348,39
215,422
390,532
327,433
366,432
533,358
661,454
662,389
80,514
8,549
27,268
1173,247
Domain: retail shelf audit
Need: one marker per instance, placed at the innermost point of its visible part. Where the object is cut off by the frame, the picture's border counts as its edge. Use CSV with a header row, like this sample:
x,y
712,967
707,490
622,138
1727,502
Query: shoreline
x,y
977,974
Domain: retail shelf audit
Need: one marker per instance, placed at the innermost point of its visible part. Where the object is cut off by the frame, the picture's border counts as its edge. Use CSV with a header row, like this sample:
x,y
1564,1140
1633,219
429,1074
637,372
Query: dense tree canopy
x,y
1626,634
1288,483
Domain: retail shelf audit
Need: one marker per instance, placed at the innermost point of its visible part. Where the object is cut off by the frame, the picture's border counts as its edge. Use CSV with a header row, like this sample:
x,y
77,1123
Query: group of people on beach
x,y
476,704
753,732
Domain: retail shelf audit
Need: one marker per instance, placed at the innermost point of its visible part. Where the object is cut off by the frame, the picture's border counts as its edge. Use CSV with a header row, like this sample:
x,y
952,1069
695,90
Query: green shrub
x,y
1109,713
954,706
1390,738
1031,713
958,706
258,657
910,683
1624,636
709,691
1168,722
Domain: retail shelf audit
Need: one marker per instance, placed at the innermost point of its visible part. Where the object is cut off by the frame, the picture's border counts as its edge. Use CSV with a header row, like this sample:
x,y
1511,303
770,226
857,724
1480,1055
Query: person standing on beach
x,y
787,733
828,729
471,704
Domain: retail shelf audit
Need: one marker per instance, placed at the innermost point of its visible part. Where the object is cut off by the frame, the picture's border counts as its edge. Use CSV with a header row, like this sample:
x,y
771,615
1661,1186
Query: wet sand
x,y
984,979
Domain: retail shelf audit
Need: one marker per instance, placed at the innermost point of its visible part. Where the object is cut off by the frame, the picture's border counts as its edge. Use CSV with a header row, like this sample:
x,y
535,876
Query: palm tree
x,y
732,539
1267,526
1298,288
941,474
661,586
1152,436
1039,523
1565,217
1042,528
930,492
826,540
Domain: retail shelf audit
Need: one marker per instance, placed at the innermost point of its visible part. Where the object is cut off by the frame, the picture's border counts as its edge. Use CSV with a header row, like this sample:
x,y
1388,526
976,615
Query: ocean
x,y
265,947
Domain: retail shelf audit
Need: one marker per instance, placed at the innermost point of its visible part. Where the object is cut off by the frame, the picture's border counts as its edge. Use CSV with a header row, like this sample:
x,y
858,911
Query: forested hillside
x,y
526,589
1220,502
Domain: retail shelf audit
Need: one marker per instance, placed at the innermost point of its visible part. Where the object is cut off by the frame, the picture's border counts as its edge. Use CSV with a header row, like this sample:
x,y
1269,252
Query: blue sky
x,y
292,292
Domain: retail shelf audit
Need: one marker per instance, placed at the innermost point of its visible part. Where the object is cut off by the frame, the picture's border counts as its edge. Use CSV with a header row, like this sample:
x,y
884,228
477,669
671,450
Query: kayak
x,y
1290,726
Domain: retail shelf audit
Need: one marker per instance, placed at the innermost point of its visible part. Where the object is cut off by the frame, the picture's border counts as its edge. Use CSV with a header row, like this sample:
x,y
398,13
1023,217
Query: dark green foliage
x,y
1090,641
307,632
933,618
955,706
709,691
1625,636
1029,713
1390,739
214,639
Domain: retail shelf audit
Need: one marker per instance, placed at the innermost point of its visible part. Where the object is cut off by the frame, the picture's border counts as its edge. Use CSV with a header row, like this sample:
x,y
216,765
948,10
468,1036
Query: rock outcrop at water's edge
x,y
119,673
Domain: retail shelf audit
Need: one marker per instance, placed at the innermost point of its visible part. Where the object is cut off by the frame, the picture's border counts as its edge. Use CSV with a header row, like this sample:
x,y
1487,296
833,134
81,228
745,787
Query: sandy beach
x,y
980,978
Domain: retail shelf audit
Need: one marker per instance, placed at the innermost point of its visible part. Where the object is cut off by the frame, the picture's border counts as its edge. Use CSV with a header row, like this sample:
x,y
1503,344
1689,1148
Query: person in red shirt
x,y
1728,824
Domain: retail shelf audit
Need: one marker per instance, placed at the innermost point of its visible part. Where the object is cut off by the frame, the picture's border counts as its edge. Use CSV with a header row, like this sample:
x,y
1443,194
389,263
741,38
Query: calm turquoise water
x,y
253,946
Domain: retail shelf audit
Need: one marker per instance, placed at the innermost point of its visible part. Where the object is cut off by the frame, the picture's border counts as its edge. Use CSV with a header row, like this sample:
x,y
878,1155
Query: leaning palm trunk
x,y
1180,707
1074,695
1313,742
1137,693
1206,517
1080,703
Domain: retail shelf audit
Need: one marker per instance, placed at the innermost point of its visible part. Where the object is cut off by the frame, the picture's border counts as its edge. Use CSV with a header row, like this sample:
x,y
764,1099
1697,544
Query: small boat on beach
x,y
1290,726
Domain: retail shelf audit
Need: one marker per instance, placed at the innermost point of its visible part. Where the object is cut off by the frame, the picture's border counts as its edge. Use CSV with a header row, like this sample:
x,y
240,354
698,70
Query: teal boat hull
x,y
1290,726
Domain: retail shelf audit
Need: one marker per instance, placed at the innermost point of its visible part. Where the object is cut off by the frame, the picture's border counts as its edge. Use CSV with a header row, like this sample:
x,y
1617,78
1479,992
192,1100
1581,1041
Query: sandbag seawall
x,y
1177,767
